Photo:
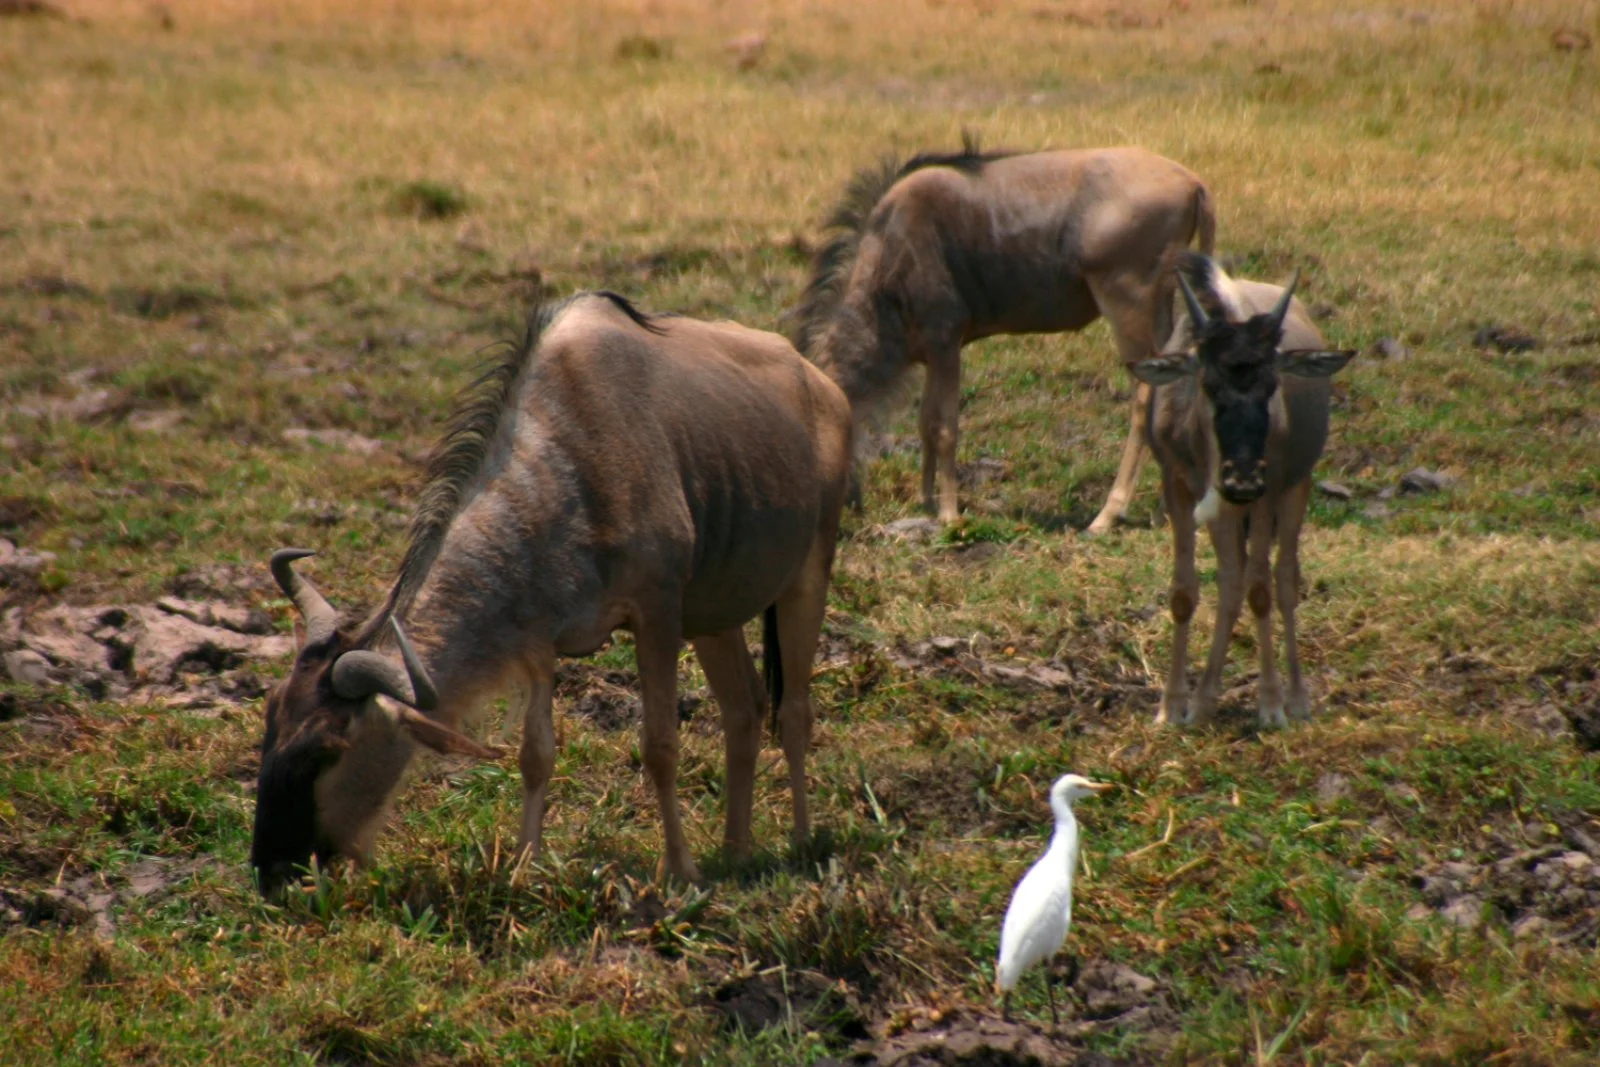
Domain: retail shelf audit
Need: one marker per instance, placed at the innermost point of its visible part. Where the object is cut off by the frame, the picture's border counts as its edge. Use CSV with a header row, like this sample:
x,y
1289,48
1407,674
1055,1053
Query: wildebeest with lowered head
x,y
1238,419
945,249
616,470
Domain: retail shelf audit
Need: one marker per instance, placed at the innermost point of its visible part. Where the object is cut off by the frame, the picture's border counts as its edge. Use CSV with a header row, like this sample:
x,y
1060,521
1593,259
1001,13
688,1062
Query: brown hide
x,y
1187,425
950,249
671,477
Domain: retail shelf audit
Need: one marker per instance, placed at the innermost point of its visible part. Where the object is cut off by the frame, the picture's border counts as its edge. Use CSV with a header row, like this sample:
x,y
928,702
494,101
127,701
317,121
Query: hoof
x,y
1299,707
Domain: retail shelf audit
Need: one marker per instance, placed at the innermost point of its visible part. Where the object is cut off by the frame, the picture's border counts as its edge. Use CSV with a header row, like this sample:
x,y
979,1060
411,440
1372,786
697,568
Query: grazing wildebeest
x,y
654,473
946,249
1232,436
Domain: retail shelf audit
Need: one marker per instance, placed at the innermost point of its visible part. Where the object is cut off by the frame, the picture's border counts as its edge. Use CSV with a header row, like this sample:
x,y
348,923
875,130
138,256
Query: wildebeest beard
x,y
285,837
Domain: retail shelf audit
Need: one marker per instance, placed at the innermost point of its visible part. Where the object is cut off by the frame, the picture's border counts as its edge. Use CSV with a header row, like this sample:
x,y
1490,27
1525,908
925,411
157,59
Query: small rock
x,y
1335,490
1040,676
340,440
1110,989
1545,719
1377,511
1390,348
158,421
216,613
914,529
27,667
94,404
1332,786
946,646
1422,480
1530,926
22,562
1466,911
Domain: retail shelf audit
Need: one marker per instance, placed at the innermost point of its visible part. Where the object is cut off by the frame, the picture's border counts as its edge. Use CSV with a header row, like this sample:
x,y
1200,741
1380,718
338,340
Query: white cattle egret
x,y
1036,923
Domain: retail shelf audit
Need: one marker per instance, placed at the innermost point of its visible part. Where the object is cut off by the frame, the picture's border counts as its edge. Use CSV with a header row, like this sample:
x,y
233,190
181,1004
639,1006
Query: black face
x,y
1239,377
301,742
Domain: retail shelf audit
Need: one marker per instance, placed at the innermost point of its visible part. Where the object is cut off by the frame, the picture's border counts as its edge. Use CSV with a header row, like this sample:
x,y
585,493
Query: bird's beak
x,y
1100,787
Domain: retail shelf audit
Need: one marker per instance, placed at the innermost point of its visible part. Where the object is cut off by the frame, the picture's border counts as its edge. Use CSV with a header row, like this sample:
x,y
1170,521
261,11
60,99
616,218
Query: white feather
x,y
1209,507
1040,913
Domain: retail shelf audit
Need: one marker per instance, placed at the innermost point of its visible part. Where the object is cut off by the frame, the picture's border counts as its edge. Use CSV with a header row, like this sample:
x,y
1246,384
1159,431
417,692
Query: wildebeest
x,y
1232,436
616,470
928,255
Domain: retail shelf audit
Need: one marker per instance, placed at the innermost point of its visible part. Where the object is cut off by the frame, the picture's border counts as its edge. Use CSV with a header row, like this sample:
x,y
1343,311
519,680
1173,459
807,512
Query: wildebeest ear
x,y
1313,362
439,737
1159,370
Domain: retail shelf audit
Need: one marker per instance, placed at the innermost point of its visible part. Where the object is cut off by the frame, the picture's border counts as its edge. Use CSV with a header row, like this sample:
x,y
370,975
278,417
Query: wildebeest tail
x,y
1205,221
772,662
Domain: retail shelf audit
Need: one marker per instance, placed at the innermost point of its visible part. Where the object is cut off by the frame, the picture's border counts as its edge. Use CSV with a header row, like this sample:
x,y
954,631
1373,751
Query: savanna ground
x,y
221,222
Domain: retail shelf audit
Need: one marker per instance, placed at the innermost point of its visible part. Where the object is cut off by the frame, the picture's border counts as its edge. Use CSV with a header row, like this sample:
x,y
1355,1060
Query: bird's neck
x,y
1065,838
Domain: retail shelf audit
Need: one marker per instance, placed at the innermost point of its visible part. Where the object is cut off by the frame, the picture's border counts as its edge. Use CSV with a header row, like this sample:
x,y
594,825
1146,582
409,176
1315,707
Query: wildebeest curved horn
x,y
427,697
361,673
321,619
1283,301
1197,314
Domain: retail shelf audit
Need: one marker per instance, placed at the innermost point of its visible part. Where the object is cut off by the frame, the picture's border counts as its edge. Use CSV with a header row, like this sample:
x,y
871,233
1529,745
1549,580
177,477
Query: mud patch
x,y
1550,892
1105,997
972,1039
181,652
779,996
91,900
1060,687
608,699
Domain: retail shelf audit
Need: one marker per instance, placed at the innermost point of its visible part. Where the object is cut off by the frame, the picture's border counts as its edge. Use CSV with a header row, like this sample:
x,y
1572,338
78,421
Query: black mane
x,y
470,433
830,267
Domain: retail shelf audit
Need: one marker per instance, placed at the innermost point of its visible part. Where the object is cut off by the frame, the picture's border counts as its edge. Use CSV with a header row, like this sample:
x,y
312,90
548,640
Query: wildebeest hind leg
x,y
1121,494
657,643
939,418
725,659
537,760
1128,303
800,611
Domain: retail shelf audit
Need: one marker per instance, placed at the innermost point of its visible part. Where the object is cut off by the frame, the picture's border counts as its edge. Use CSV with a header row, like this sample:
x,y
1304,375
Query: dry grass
x,y
264,216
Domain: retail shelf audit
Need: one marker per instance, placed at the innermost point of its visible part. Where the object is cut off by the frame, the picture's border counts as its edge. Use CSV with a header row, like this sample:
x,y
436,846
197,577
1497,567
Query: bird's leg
x,y
1072,970
1050,990
1005,1005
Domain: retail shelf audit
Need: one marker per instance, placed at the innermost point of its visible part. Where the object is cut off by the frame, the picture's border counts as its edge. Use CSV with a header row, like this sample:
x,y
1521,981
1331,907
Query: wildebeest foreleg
x,y
731,673
537,761
1227,537
941,410
657,644
1181,600
1258,591
1291,513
